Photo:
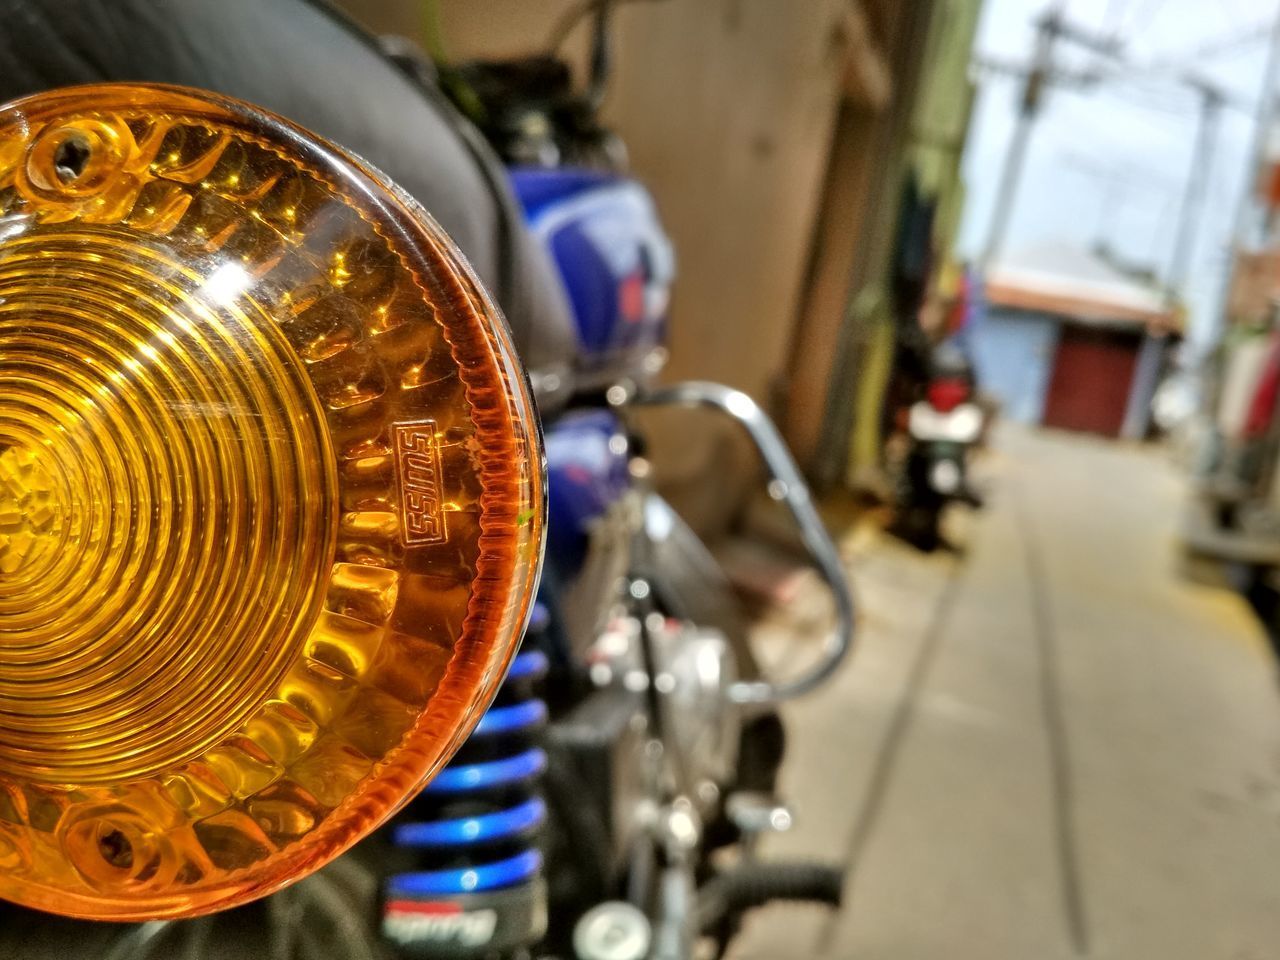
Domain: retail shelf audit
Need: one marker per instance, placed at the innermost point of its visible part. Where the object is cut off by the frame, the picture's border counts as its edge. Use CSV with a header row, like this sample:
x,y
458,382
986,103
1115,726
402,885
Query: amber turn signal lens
x,y
270,501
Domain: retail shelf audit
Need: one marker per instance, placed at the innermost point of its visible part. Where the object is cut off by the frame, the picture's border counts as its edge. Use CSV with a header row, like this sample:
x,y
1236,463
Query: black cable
x,y
570,19
887,754
1055,724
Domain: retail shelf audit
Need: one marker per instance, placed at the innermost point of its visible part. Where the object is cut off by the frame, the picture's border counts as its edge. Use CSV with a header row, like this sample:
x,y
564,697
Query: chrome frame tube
x,y
786,486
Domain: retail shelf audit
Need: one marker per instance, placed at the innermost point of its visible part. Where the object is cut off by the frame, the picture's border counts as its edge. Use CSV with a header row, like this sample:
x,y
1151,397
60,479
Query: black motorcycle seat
x,y
304,61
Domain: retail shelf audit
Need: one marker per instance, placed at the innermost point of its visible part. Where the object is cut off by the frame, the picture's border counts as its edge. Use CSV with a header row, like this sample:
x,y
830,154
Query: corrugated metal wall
x,y
1014,354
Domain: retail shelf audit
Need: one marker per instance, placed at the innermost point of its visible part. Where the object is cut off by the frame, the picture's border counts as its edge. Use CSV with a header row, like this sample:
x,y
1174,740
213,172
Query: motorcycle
x,y
942,429
609,802
673,731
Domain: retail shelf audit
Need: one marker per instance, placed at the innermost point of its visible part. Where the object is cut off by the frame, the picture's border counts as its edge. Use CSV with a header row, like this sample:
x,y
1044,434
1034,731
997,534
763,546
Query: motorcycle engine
x,y
691,672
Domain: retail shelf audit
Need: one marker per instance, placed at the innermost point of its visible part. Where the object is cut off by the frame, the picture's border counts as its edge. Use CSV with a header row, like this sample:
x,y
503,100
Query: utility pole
x,y
1150,358
1211,102
1050,27
1015,159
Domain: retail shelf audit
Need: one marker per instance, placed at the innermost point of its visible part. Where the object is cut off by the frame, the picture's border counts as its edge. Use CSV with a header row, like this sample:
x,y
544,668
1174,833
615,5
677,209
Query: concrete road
x,y
1051,747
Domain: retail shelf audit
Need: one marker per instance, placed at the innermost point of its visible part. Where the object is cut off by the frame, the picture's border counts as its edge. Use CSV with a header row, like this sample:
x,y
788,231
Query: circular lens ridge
x,y
270,509
175,438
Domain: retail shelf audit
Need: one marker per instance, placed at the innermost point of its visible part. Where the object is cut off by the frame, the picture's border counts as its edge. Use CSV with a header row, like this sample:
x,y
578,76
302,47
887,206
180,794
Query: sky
x,y
1111,163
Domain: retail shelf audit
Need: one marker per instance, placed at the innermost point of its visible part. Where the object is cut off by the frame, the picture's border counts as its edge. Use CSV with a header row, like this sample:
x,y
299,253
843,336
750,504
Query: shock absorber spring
x,y
469,845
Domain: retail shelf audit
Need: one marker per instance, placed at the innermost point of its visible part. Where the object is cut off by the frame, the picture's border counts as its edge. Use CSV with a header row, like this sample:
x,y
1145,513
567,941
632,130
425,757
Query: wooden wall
x,y
728,109
730,117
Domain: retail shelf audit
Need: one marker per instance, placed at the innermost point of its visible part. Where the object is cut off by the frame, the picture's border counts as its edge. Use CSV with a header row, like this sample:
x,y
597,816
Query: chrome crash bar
x,y
786,486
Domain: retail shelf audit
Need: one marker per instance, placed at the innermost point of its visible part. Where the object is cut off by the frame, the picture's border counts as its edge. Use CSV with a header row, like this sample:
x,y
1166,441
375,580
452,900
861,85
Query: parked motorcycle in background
x,y
943,427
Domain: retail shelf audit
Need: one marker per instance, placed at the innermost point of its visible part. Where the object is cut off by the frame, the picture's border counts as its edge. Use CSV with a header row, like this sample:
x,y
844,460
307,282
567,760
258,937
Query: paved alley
x,y
1052,747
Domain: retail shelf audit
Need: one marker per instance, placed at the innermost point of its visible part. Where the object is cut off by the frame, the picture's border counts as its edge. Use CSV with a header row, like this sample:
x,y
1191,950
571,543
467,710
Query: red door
x,y
1091,379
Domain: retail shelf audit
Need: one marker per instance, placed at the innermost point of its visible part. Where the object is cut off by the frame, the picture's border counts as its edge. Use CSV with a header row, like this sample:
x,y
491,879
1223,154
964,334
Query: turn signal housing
x,y
271,503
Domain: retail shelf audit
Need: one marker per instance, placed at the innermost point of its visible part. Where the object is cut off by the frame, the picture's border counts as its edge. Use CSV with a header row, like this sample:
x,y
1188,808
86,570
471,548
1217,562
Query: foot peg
x,y
754,884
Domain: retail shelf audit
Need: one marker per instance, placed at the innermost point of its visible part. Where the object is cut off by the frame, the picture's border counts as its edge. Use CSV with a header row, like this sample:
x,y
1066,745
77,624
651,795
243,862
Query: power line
x,y
1219,46
1134,73
1148,12
1113,15
1138,90
1133,175
1052,28
984,65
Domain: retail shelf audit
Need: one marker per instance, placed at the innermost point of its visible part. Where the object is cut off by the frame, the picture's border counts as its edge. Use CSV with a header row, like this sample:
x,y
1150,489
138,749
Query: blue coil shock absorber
x,y
467,854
